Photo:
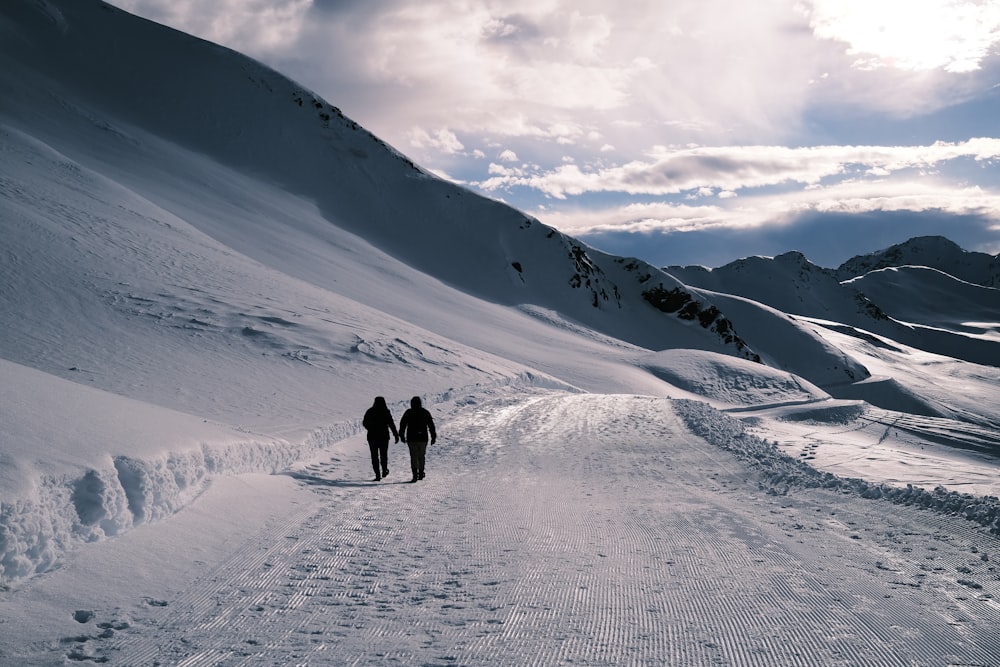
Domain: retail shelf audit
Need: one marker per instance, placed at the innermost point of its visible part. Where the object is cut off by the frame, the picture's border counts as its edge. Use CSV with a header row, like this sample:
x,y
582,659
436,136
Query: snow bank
x,y
122,463
103,501
783,472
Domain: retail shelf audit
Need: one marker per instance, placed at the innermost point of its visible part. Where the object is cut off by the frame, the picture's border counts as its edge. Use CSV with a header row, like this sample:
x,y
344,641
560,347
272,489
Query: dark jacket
x,y
417,423
378,422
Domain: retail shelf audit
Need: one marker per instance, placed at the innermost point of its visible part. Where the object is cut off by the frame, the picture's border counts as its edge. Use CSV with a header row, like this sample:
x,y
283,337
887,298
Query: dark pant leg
x,y
378,449
383,450
412,446
418,452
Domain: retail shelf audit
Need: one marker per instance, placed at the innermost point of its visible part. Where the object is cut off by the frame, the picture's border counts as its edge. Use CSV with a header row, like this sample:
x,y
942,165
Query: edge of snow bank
x,y
782,472
103,501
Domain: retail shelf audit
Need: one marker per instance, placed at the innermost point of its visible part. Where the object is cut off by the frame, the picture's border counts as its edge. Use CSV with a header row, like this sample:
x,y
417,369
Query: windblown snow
x,y
204,282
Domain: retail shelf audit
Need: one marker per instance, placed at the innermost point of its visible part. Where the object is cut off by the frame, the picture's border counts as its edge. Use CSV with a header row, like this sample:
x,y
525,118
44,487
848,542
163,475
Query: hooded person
x,y
379,423
416,429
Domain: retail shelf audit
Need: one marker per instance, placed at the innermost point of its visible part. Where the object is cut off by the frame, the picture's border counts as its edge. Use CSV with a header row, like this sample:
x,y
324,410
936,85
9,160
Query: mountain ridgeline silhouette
x,y
191,127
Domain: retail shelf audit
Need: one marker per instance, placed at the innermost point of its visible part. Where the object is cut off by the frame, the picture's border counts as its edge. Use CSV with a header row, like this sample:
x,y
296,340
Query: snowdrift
x,y
780,472
726,381
120,463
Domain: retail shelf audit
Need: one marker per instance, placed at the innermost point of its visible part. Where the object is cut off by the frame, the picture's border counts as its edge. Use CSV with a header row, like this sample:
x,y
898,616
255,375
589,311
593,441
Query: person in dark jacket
x,y
378,422
415,428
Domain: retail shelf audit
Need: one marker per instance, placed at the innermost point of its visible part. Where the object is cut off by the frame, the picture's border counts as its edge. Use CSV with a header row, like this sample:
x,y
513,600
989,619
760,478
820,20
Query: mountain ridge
x,y
873,303
936,252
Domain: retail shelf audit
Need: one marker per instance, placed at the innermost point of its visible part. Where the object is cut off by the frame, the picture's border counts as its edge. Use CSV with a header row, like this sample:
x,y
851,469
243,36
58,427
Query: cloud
x,y
951,35
827,239
442,140
252,26
671,170
561,72
829,224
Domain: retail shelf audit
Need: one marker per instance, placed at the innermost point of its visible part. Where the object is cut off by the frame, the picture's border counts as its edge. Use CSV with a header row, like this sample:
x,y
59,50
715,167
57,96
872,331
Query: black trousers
x,y
380,456
418,451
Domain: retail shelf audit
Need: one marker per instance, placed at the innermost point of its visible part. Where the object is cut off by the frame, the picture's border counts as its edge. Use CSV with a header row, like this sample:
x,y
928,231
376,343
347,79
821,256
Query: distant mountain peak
x,y
936,252
793,256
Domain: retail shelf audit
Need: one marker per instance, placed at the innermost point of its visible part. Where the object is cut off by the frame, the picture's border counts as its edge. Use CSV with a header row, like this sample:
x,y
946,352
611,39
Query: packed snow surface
x,y
551,528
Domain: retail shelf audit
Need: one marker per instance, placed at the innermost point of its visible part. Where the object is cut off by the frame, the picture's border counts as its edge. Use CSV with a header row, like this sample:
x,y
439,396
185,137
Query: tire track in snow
x,y
578,530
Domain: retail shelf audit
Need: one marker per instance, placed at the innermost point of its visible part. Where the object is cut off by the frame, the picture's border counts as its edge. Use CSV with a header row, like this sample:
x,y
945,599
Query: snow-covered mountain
x,y
240,116
935,252
207,270
923,306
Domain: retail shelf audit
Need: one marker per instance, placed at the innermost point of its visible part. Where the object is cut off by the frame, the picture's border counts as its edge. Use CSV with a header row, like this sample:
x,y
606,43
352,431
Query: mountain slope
x,y
238,138
933,298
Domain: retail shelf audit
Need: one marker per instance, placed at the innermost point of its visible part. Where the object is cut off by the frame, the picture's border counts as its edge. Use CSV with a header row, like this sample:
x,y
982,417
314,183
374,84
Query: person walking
x,y
415,427
378,422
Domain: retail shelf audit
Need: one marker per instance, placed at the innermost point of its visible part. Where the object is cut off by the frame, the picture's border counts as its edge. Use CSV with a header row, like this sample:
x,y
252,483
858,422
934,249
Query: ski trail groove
x,y
584,530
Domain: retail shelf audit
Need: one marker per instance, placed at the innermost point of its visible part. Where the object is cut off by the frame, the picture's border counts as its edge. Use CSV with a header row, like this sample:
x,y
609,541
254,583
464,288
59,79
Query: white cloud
x,y
442,140
561,72
508,156
952,35
855,197
670,171
635,218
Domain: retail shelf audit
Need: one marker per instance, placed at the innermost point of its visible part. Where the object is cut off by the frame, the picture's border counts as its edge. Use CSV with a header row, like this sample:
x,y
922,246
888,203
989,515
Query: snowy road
x,y
583,530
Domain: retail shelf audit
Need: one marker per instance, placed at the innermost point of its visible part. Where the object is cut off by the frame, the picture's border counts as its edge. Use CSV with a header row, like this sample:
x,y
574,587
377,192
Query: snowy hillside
x,y
207,273
139,124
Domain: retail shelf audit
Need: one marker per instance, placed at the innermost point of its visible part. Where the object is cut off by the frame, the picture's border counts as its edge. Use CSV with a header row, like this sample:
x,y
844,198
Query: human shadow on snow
x,y
315,480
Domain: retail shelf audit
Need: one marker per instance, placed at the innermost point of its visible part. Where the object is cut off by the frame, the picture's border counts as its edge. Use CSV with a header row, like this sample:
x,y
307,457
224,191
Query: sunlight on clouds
x,y
954,35
779,209
585,36
859,197
567,85
636,218
672,171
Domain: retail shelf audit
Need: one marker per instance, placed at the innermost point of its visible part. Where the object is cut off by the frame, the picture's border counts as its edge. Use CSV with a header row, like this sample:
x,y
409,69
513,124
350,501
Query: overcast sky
x,y
682,132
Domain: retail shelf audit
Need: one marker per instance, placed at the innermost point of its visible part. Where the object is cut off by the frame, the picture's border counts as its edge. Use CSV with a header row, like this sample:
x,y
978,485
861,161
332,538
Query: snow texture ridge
x,y
783,472
37,531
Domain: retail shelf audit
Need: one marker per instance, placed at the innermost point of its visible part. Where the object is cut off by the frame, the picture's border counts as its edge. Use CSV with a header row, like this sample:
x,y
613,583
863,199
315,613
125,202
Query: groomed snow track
x,y
584,530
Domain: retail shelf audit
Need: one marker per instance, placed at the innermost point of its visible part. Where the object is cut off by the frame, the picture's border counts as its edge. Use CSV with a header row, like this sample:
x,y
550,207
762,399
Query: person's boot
x,y
385,472
377,477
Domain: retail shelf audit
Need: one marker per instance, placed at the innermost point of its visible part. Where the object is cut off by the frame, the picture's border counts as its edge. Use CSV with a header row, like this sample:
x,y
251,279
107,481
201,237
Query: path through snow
x,y
575,529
